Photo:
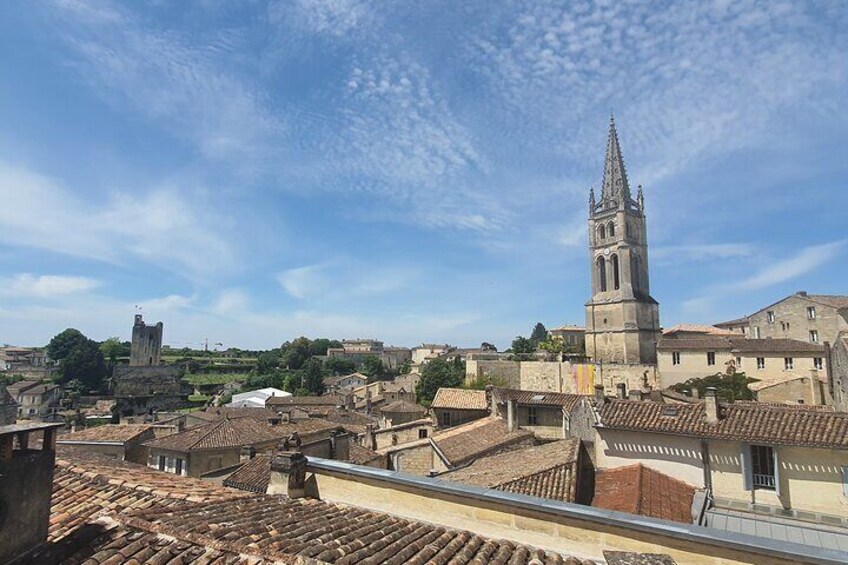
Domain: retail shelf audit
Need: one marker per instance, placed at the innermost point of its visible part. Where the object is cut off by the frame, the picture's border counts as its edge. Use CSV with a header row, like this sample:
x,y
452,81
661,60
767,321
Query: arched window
x,y
616,281
602,232
611,229
635,271
602,274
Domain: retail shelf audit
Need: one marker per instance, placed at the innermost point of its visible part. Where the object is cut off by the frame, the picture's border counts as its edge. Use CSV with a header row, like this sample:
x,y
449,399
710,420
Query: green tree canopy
x,y
296,353
554,346
267,362
79,358
436,374
540,333
313,379
62,344
729,387
372,366
339,366
486,346
522,345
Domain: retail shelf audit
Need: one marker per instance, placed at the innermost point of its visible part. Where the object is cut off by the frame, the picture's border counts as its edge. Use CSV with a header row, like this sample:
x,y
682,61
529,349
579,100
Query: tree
x,y
729,387
372,366
313,379
339,366
486,346
522,345
539,334
267,361
554,346
79,358
437,374
112,348
296,353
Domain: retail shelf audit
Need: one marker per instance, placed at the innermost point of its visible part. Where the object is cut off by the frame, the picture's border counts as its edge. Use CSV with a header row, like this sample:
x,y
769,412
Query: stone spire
x,y
592,200
615,177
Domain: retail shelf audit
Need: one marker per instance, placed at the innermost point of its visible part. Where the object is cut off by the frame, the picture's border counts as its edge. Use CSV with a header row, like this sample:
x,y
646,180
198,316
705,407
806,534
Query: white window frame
x,y
748,478
811,312
770,316
761,363
756,332
818,363
788,363
814,336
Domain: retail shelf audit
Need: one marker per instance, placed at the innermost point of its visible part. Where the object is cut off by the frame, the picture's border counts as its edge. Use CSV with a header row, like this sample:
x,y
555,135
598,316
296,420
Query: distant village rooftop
x,y
460,399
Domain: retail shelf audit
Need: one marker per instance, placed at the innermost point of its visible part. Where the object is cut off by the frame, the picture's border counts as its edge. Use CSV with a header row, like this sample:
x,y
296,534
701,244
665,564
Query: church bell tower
x,y
622,320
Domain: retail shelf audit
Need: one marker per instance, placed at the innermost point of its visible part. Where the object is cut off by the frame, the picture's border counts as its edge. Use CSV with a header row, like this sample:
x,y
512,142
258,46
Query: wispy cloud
x,y
46,286
159,227
343,278
802,263
703,251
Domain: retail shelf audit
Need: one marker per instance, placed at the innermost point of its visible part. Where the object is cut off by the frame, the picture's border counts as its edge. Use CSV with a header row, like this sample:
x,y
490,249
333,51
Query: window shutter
x,y
745,459
776,471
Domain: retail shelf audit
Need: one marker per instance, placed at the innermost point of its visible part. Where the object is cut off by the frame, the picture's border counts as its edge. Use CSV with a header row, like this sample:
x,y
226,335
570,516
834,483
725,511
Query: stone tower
x,y
622,320
146,347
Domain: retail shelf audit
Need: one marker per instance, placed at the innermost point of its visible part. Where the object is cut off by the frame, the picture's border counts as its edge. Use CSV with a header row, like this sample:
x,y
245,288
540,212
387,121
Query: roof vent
x,y
669,411
538,397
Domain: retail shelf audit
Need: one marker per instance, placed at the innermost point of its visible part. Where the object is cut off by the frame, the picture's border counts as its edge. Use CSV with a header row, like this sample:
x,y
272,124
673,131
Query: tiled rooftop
x,y
539,398
697,328
253,476
641,490
545,471
402,406
741,421
738,344
359,455
326,400
108,432
460,399
485,436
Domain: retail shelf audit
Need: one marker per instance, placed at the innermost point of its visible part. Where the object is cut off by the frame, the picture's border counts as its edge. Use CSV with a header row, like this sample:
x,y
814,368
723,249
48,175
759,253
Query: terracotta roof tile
x,y
326,400
739,344
402,406
460,399
108,432
545,471
485,436
800,425
539,398
253,476
641,490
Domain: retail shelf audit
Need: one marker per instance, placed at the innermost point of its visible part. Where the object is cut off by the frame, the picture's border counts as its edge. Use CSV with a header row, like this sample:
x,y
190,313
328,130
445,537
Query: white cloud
x,y
303,281
46,286
160,227
343,278
807,260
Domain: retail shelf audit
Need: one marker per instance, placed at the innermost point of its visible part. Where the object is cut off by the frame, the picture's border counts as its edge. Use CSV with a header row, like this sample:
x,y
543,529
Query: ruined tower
x,y
622,320
146,347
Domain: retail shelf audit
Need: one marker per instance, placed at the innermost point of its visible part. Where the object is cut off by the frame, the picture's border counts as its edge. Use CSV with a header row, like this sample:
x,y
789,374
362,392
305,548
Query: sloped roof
x,y
253,476
833,300
756,422
545,471
225,433
460,399
108,432
738,344
736,322
638,489
478,438
700,343
539,398
326,400
402,406
697,328
359,455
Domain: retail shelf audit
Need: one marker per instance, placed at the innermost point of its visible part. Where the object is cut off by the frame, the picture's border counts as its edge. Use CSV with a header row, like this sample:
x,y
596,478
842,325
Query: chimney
x,y
621,391
801,293
288,474
696,393
339,445
711,405
635,395
511,409
815,387
599,394
493,399
368,440
247,453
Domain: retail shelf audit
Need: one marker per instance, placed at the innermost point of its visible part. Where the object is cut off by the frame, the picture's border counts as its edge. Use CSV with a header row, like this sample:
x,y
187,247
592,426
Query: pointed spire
x,y
615,177
640,199
592,199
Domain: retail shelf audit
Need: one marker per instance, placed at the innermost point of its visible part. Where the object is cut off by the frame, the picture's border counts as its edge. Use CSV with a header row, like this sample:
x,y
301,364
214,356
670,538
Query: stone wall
x,y
792,321
400,435
416,460
26,482
839,374
502,373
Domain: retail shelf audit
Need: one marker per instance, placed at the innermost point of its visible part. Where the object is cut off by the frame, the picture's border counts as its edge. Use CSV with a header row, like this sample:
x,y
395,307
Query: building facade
x,y
622,320
146,346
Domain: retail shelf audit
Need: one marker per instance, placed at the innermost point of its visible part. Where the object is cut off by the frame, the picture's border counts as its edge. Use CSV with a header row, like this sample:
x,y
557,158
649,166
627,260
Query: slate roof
x,y
460,399
538,398
230,433
109,432
485,436
754,422
545,471
641,490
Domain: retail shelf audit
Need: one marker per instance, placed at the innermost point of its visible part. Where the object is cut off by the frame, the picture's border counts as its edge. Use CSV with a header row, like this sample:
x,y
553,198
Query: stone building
x,y
456,406
573,337
549,415
35,400
146,346
357,350
838,373
816,318
124,442
8,407
148,389
622,320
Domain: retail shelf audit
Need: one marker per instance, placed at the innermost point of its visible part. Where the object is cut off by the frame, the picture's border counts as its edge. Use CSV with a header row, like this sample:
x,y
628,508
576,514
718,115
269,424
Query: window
x,y
445,419
788,363
763,467
178,467
532,417
770,315
602,274
422,434
738,362
814,336
817,363
811,312
162,462
756,332
675,358
611,229
710,357
615,277
602,232
761,362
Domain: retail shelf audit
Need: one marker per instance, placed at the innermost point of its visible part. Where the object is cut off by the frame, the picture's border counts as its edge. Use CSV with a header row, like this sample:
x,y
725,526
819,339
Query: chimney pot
x,y
711,405
696,393
247,453
511,409
288,474
599,394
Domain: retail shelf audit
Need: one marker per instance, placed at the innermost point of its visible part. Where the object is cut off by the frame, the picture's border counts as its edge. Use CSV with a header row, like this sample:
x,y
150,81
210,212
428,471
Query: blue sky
x,y
412,171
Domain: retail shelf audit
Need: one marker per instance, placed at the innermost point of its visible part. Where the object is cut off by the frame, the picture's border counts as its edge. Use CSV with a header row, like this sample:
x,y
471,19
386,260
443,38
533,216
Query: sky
x,y
412,171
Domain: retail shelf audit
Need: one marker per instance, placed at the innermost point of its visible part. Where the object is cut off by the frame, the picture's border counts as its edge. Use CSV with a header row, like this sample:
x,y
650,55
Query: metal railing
x,y
763,481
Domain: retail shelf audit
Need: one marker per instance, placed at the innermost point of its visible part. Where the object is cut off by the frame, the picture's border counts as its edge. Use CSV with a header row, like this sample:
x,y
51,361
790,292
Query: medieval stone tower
x,y
622,320
146,347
